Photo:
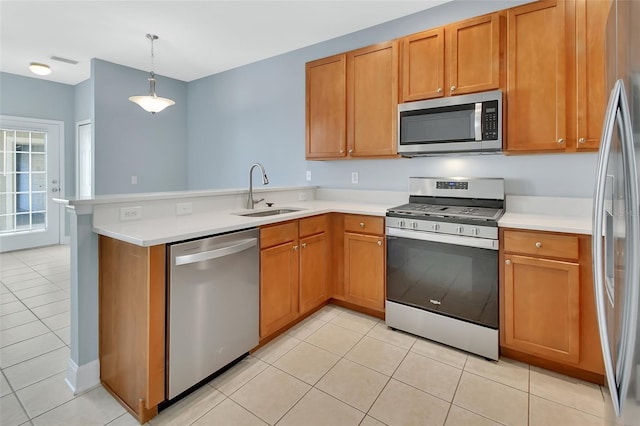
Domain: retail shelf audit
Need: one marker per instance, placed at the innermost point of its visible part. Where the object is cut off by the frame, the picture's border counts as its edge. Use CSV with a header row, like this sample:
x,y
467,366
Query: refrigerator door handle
x,y
597,243
632,249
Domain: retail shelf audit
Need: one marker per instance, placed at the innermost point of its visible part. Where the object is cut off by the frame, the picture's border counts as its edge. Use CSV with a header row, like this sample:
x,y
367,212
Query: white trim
x,y
93,171
84,377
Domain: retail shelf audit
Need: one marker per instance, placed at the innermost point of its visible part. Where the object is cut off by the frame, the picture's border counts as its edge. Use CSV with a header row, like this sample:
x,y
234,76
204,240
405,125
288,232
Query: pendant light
x,y
152,103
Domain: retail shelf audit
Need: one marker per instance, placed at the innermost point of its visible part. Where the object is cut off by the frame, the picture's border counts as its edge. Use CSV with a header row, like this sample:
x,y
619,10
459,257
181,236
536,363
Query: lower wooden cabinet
x,y
364,263
294,269
547,309
542,307
132,324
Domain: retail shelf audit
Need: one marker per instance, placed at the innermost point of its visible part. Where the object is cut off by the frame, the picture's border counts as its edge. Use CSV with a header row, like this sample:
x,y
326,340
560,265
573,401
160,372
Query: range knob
x,y
459,229
414,224
401,223
475,231
435,226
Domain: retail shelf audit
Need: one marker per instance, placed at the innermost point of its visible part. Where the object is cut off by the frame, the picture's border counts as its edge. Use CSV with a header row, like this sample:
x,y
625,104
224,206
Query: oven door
x,y
451,275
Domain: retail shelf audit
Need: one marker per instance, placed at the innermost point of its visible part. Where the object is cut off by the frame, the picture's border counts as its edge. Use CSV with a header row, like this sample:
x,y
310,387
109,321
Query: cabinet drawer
x,y
278,234
364,224
541,244
313,225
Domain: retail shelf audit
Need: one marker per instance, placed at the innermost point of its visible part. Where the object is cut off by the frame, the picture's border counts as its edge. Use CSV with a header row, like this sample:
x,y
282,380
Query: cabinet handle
x,y
342,151
560,140
361,224
379,242
439,90
350,150
304,245
453,88
581,140
508,262
538,244
295,248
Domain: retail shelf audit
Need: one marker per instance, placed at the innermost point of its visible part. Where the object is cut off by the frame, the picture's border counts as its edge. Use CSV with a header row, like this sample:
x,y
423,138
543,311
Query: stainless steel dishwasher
x,y
213,305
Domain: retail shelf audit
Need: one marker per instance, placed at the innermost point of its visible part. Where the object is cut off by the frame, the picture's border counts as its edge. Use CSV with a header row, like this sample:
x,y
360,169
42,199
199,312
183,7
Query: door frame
x,y
93,158
37,124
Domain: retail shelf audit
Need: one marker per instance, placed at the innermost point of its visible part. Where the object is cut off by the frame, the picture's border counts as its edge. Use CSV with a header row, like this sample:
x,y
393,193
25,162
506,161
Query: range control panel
x,y
452,185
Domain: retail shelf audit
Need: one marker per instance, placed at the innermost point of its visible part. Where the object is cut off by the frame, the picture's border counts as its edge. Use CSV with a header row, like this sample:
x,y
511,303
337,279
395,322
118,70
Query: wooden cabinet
x,y
556,75
536,77
364,261
547,309
294,269
590,85
470,59
278,276
314,262
372,100
132,324
326,107
351,104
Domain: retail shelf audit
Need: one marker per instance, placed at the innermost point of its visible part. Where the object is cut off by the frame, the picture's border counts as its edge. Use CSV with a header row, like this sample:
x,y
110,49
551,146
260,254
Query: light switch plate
x,y
308,175
354,177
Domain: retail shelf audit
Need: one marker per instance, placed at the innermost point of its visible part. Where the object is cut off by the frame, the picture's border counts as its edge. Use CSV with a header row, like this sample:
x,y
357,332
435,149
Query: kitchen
x,y
234,92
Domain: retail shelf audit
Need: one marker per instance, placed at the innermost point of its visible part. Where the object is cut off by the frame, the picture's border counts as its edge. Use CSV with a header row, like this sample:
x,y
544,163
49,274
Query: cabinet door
x,y
536,79
542,307
326,105
372,100
591,20
476,52
423,65
313,271
278,286
364,269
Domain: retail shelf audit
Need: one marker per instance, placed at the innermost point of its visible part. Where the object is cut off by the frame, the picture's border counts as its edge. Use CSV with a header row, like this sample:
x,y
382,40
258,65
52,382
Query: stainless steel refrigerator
x,y
616,218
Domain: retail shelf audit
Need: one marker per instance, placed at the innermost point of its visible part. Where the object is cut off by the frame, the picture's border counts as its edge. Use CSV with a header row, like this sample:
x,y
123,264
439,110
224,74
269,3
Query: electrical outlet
x,y
354,177
302,196
130,213
134,180
308,175
184,209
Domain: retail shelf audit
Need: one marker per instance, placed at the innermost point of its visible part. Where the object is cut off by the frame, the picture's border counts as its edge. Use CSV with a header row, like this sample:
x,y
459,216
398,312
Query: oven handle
x,y
459,240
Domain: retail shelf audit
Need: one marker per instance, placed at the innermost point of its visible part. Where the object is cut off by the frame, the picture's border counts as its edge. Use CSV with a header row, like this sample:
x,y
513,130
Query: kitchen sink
x,y
271,212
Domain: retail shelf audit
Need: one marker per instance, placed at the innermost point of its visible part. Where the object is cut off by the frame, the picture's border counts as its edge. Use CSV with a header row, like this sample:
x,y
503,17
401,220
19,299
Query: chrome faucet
x,y
265,180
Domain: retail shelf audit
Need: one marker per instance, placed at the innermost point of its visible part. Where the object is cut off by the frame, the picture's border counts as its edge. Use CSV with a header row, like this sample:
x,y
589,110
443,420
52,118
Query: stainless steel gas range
x,y
442,262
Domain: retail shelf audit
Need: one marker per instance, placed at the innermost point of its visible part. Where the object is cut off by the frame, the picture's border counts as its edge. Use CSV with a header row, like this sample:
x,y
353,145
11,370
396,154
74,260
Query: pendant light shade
x,y
152,102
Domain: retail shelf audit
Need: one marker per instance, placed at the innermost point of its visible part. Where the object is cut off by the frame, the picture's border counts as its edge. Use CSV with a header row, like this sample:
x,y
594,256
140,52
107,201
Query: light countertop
x,y
555,214
178,228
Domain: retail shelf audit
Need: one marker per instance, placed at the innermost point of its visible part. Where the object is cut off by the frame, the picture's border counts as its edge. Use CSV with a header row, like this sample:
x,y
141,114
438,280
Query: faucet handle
x,y
270,204
258,201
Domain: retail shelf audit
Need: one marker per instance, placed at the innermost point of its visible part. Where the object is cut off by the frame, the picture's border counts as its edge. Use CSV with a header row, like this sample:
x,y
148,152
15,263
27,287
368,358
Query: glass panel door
x,y
29,179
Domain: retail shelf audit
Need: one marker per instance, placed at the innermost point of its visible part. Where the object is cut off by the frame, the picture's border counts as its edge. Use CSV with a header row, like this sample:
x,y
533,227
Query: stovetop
x,y
418,210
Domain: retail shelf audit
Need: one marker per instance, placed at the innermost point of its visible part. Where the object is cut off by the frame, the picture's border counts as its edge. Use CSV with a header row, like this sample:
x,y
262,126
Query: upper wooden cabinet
x,y
536,77
591,20
556,84
326,104
464,57
372,100
351,104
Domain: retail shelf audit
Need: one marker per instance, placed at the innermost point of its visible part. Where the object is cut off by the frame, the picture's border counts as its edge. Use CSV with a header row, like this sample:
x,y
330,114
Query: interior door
x,y
29,180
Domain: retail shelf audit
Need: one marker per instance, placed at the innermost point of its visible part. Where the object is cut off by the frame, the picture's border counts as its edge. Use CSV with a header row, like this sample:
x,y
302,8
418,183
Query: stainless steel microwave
x,y
468,123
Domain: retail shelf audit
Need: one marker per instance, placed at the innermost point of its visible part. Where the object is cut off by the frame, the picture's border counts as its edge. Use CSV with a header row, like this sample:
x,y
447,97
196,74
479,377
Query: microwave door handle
x,y
477,122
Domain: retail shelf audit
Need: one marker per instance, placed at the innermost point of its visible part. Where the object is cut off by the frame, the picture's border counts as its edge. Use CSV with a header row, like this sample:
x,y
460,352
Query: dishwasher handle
x,y
214,254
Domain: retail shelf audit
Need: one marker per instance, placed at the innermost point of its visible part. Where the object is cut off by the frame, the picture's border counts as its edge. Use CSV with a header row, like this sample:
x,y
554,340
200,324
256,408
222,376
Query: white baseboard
x,y
81,378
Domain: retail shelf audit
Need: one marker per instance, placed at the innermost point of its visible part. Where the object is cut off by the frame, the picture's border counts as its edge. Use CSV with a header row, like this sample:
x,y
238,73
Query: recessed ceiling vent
x,y
65,60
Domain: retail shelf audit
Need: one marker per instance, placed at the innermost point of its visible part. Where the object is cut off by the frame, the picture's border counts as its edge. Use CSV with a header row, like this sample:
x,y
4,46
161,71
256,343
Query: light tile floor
x,y
337,367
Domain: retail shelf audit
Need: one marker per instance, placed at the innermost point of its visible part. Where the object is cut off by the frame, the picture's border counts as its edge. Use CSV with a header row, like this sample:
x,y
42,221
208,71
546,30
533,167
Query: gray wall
x,y
36,98
83,99
132,142
257,113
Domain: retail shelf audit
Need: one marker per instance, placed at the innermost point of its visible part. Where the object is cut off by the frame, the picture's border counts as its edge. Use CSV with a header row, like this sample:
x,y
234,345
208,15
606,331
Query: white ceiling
x,y
197,38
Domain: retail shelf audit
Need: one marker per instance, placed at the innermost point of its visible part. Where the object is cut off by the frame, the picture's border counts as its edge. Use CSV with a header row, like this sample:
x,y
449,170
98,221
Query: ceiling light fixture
x,y
39,69
152,103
